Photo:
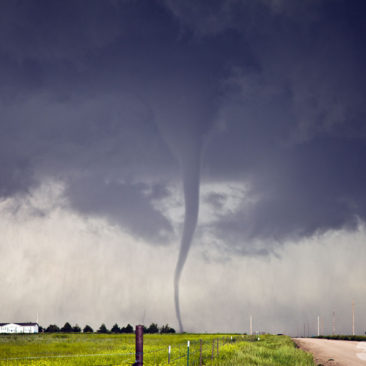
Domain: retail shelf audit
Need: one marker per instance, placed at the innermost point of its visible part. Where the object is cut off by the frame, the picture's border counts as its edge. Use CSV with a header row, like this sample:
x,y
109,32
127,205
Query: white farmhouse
x,y
19,328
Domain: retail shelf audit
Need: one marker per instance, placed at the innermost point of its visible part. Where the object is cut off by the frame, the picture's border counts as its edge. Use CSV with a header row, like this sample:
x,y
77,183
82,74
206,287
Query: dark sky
x,y
111,98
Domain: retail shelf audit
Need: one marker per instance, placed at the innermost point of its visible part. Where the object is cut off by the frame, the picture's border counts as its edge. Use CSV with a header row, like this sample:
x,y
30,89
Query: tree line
x,y
153,328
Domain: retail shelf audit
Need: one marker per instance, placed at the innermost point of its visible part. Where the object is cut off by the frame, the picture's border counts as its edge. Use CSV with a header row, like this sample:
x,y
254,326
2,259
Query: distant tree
x,y
67,328
166,329
153,328
129,328
88,329
144,329
76,329
40,329
52,328
116,329
103,329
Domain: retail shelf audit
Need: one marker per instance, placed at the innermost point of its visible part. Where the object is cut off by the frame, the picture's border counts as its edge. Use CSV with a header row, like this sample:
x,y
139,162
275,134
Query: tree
x,y
88,329
52,328
67,328
166,329
116,329
103,329
153,328
127,329
76,329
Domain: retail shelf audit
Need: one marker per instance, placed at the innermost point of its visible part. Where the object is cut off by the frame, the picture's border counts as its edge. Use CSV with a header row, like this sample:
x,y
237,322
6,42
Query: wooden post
x,y
139,348
169,351
200,352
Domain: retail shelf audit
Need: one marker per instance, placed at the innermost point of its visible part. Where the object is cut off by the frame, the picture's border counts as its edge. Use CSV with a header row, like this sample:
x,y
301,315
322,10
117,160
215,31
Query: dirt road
x,y
334,353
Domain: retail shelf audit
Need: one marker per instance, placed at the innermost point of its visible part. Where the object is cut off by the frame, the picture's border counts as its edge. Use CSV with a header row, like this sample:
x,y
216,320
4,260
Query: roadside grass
x,y
109,349
269,351
343,337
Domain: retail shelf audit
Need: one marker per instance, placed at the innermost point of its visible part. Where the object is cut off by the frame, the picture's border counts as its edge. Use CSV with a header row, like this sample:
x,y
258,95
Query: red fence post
x,y
139,345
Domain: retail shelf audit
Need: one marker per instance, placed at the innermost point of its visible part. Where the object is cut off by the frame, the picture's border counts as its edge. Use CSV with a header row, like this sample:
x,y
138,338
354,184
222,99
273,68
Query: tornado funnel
x,y
191,165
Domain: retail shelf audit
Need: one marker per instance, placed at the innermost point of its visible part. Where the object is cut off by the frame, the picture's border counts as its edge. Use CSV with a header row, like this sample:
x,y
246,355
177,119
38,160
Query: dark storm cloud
x,y
91,145
297,131
109,96
102,88
125,203
312,187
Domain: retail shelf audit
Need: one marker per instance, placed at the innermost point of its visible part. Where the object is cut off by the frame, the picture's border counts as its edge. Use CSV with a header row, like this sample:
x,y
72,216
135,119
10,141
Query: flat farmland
x,y
117,349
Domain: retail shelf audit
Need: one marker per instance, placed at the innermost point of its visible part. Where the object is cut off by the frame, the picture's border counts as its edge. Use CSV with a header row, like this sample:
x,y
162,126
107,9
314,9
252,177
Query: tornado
x,y
191,166
184,120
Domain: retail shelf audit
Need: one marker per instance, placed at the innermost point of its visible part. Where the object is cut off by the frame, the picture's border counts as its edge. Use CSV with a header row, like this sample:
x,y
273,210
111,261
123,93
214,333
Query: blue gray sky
x,y
105,105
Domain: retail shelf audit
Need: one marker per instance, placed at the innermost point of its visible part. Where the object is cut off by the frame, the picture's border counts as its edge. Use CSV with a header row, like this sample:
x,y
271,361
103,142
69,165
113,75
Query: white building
x,y
19,328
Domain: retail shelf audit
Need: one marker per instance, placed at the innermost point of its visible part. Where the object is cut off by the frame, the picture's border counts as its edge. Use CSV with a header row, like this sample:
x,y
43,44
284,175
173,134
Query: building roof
x,y
21,324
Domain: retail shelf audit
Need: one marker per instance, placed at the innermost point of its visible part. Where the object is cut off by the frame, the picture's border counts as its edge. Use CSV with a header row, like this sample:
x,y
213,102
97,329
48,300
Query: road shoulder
x,y
320,359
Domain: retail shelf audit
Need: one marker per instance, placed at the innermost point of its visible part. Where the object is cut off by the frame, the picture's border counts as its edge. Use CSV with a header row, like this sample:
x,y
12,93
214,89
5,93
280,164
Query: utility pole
x,y
322,325
333,324
353,317
318,325
251,325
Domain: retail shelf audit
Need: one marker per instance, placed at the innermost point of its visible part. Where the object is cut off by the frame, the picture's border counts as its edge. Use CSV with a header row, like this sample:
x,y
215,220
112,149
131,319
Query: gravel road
x,y
334,353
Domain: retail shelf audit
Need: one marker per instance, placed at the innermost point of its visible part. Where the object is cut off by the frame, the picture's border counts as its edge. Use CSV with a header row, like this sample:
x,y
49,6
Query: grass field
x,y
109,349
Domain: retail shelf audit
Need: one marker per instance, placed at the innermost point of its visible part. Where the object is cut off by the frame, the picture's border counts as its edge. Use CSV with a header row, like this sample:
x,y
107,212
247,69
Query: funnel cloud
x,y
191,187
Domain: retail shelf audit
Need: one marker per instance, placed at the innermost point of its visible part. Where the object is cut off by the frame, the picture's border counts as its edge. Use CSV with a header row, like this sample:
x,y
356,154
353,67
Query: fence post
x,y
188,353
169,350
139,348
200,352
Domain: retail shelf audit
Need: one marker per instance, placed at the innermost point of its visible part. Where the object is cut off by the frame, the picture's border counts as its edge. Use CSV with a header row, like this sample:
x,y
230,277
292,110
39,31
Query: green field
x,y
109,349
